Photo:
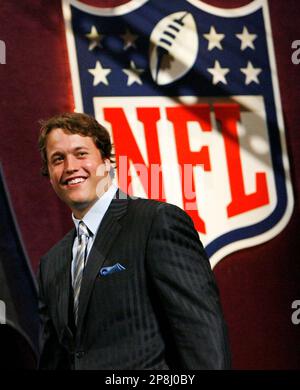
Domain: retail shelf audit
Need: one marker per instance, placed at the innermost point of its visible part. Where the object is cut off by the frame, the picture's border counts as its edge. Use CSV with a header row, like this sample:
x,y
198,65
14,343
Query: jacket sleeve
x,y
187,297
52,354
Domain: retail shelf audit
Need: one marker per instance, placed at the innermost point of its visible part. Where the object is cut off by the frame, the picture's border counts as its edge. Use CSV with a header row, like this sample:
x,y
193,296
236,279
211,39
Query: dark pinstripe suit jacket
x,y
161,312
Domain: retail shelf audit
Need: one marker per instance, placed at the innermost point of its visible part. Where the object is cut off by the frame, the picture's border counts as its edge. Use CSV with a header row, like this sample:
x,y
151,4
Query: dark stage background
x,y
257,285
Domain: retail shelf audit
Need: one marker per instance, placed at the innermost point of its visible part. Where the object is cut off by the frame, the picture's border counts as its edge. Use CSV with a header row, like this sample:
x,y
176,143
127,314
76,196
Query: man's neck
x,y
80,211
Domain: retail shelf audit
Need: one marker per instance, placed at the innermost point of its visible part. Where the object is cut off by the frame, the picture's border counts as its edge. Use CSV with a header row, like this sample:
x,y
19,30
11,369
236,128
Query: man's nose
x,y
71,164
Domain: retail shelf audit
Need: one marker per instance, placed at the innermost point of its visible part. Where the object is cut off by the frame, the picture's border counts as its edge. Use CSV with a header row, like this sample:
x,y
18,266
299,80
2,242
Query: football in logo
x,y
173,47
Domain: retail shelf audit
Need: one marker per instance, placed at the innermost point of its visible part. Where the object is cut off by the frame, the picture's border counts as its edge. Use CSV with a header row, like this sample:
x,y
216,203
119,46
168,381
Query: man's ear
x,y
107,165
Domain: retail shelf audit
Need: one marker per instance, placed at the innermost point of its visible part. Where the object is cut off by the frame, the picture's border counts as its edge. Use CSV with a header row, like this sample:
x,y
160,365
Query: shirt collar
x,y
93,217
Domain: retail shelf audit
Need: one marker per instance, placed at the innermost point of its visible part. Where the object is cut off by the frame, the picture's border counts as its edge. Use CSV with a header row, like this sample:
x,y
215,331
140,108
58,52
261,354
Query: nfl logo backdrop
x,y
190,95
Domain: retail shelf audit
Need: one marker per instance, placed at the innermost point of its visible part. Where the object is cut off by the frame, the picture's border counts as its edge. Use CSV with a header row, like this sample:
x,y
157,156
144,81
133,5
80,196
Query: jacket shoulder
x,y
149,210
146,207
143,205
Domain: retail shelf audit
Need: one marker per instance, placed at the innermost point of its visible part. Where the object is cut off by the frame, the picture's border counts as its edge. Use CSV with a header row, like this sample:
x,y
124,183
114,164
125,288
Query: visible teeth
x,y
75,181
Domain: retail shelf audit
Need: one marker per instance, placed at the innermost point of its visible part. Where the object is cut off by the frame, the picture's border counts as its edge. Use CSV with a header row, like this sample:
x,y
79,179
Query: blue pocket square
x,y
109,270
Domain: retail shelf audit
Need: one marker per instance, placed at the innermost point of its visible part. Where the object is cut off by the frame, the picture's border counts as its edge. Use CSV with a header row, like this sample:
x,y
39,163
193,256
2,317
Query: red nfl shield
x,y
189,93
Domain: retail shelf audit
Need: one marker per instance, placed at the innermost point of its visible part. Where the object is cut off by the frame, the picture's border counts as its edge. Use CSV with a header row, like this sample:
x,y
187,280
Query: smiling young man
x,y
73,162
130,287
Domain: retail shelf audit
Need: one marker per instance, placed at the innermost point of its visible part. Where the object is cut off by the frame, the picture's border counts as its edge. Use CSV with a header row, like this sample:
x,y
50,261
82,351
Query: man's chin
x,y
81,204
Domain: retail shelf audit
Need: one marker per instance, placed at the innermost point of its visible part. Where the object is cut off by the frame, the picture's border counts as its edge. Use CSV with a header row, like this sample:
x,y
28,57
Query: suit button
x,y
80,354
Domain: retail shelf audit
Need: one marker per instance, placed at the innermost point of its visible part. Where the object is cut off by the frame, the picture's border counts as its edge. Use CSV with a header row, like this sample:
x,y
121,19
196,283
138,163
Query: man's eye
x,y
80,154
57,159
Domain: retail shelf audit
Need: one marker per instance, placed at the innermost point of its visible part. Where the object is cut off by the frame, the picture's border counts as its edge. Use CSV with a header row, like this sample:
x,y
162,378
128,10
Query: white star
x,y
214,39
95,38
251,73
129,39
246,39
99,74
133,74
218,73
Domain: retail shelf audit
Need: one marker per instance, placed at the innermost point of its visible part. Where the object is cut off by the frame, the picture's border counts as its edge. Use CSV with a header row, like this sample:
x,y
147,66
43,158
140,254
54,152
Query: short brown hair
x,y
75,123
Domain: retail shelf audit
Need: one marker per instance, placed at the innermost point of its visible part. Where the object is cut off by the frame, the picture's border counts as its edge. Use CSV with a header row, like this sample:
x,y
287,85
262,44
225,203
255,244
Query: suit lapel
x,y
106,235
66,258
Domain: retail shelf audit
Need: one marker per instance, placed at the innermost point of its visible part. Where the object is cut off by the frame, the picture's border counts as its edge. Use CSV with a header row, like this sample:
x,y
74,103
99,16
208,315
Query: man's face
x,y
73,161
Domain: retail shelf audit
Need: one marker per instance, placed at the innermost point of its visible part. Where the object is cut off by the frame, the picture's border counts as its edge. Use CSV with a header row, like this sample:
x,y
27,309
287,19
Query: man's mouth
x,y
74,181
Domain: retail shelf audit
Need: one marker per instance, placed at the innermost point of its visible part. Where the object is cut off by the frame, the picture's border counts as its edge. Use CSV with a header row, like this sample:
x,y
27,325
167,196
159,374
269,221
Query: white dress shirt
x,y
92,220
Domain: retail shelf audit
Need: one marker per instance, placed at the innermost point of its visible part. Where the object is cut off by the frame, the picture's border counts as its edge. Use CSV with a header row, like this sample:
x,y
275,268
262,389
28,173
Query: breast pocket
x,y
113,293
